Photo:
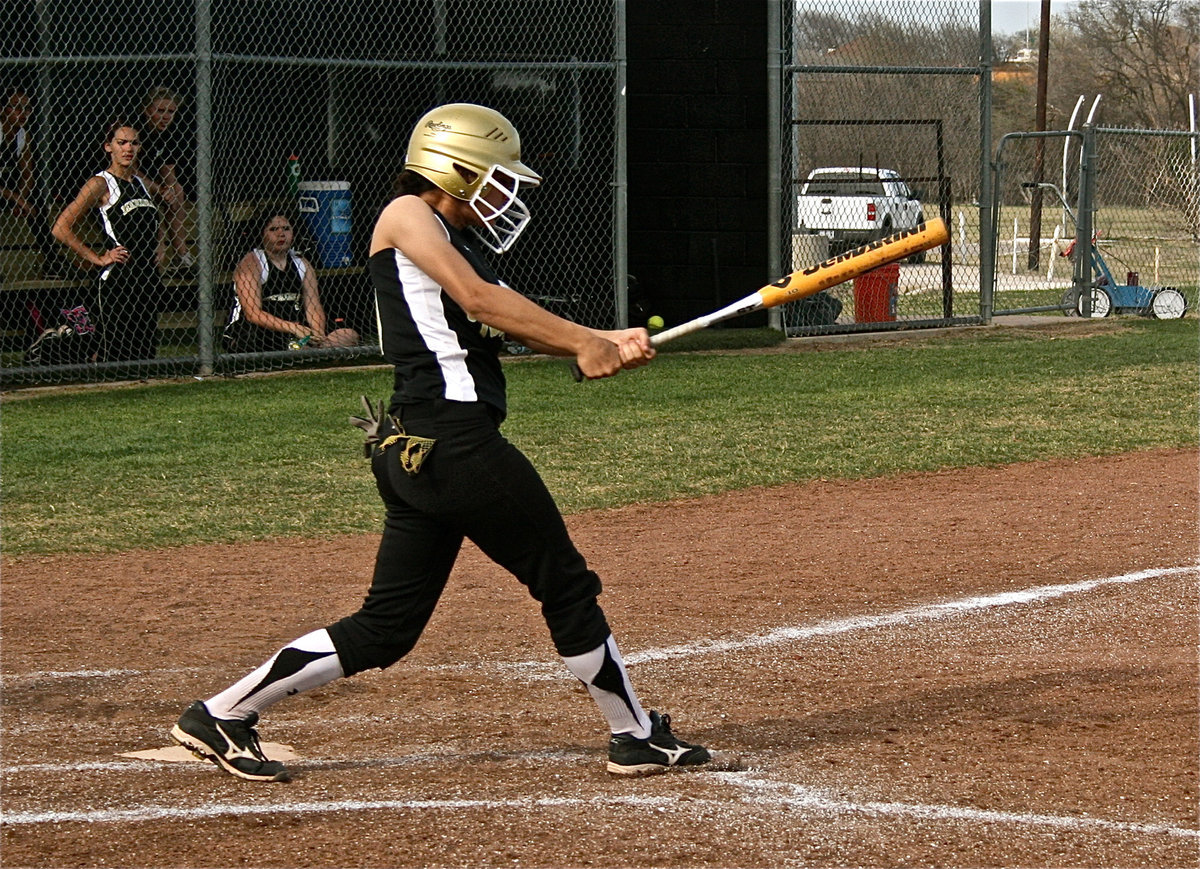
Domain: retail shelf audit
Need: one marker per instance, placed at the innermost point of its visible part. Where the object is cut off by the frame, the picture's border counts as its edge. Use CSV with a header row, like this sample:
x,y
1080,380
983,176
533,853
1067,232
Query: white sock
x,y
603,672
302,665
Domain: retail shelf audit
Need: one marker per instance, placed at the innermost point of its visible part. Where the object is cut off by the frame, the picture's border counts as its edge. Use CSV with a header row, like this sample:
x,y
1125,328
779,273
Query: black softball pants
x,y
473,484
127,305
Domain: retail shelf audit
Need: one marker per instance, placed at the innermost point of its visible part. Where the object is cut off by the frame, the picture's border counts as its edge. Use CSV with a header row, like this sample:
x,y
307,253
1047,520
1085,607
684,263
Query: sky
x,y
1013,16
1008,16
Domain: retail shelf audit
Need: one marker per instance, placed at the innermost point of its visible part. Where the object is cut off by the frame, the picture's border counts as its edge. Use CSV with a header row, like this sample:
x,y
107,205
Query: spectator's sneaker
x,y
628,755
232,744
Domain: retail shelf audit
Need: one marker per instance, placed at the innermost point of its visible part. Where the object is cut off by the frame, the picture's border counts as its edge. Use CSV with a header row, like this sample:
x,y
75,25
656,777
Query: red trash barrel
x,y
875,294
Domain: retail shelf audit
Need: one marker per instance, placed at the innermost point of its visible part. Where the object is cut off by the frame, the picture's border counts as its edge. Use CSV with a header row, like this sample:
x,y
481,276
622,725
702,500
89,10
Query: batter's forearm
x,y
528,322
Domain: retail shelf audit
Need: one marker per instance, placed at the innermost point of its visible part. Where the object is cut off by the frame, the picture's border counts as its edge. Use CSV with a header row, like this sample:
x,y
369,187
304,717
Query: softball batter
x,y
443,469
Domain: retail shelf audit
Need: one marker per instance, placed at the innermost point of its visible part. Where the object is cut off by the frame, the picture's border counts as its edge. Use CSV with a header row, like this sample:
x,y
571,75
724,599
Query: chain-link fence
x,y
1139,193
882,129
246,111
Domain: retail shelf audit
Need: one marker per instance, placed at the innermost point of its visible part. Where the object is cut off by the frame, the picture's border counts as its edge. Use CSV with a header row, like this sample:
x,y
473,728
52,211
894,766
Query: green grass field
x,y
173,463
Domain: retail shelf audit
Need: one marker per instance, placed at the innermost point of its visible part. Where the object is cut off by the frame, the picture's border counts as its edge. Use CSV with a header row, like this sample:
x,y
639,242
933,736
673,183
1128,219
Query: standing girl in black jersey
x,y
129,290
443,469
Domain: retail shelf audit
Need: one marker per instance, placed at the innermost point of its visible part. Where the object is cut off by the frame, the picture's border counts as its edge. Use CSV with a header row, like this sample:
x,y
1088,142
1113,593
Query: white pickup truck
x,y
851,206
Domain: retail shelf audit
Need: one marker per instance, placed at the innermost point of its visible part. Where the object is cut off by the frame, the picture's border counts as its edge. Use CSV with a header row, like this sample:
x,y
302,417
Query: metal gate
x,y
897,87
1096,221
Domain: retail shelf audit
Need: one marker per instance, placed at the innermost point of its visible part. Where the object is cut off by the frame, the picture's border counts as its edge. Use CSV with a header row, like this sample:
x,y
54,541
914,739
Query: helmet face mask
x,y
503,214
473,153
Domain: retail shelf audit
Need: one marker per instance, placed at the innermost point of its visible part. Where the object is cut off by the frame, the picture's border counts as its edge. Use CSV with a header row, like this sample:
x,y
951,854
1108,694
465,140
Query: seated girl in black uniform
x,y
276,303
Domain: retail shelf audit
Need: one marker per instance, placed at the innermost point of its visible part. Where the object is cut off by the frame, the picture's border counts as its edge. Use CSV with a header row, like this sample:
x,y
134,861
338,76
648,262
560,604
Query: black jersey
x,y
130,218
165,148
282,289
436,350
282,296
129,294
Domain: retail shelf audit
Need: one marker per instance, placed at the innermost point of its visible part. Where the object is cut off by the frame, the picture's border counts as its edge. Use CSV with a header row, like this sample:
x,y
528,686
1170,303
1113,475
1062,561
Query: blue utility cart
x,y
1106,295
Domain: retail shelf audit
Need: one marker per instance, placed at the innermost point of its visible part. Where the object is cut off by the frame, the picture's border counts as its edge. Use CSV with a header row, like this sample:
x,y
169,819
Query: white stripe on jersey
x,y
265,268
424,299
114,193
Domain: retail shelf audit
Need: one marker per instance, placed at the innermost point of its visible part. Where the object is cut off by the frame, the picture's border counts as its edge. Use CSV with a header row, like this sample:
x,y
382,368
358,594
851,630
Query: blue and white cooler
x,y
326,209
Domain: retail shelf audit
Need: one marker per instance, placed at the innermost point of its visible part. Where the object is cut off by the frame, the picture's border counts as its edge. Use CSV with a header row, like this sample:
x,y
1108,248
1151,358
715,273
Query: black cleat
x,y
230,743
628,755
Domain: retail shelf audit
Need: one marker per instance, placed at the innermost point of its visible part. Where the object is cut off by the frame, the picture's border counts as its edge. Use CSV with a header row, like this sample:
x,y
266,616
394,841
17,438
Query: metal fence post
x,y
774,153
987,264
204,210
620,169
1085,210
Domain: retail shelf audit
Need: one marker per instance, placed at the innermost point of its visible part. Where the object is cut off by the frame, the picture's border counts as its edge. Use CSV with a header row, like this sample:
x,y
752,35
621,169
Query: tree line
x,y
1141,56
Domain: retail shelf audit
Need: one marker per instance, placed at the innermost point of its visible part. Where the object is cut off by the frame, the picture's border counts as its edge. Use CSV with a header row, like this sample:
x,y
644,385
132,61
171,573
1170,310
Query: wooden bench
x,y
20,259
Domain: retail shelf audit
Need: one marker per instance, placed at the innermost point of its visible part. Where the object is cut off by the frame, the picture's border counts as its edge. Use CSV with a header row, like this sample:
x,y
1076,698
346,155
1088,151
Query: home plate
x,y
179,754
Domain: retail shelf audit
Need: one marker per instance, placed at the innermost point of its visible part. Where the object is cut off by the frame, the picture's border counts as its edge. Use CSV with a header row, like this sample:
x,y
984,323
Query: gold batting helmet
x,y
474,154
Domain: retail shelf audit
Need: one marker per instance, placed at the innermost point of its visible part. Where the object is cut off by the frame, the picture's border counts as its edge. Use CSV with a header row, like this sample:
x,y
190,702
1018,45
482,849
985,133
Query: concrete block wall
x,y
697,109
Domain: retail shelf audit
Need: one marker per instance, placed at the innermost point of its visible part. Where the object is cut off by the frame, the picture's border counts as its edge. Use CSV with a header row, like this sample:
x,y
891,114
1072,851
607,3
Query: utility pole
x,y
1039,154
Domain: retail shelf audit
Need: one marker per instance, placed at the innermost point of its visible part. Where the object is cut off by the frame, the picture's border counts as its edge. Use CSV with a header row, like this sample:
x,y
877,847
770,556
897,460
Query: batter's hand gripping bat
x,y
809,281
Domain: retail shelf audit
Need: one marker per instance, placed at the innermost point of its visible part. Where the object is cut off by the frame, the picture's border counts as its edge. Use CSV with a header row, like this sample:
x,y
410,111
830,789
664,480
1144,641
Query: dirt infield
x,y
970,668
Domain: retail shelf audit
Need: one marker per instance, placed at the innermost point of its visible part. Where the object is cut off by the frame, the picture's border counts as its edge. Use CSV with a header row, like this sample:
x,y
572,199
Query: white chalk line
x,y
761,790
35,677
153,813
757,793
905,617
537,670
419,758
798,796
